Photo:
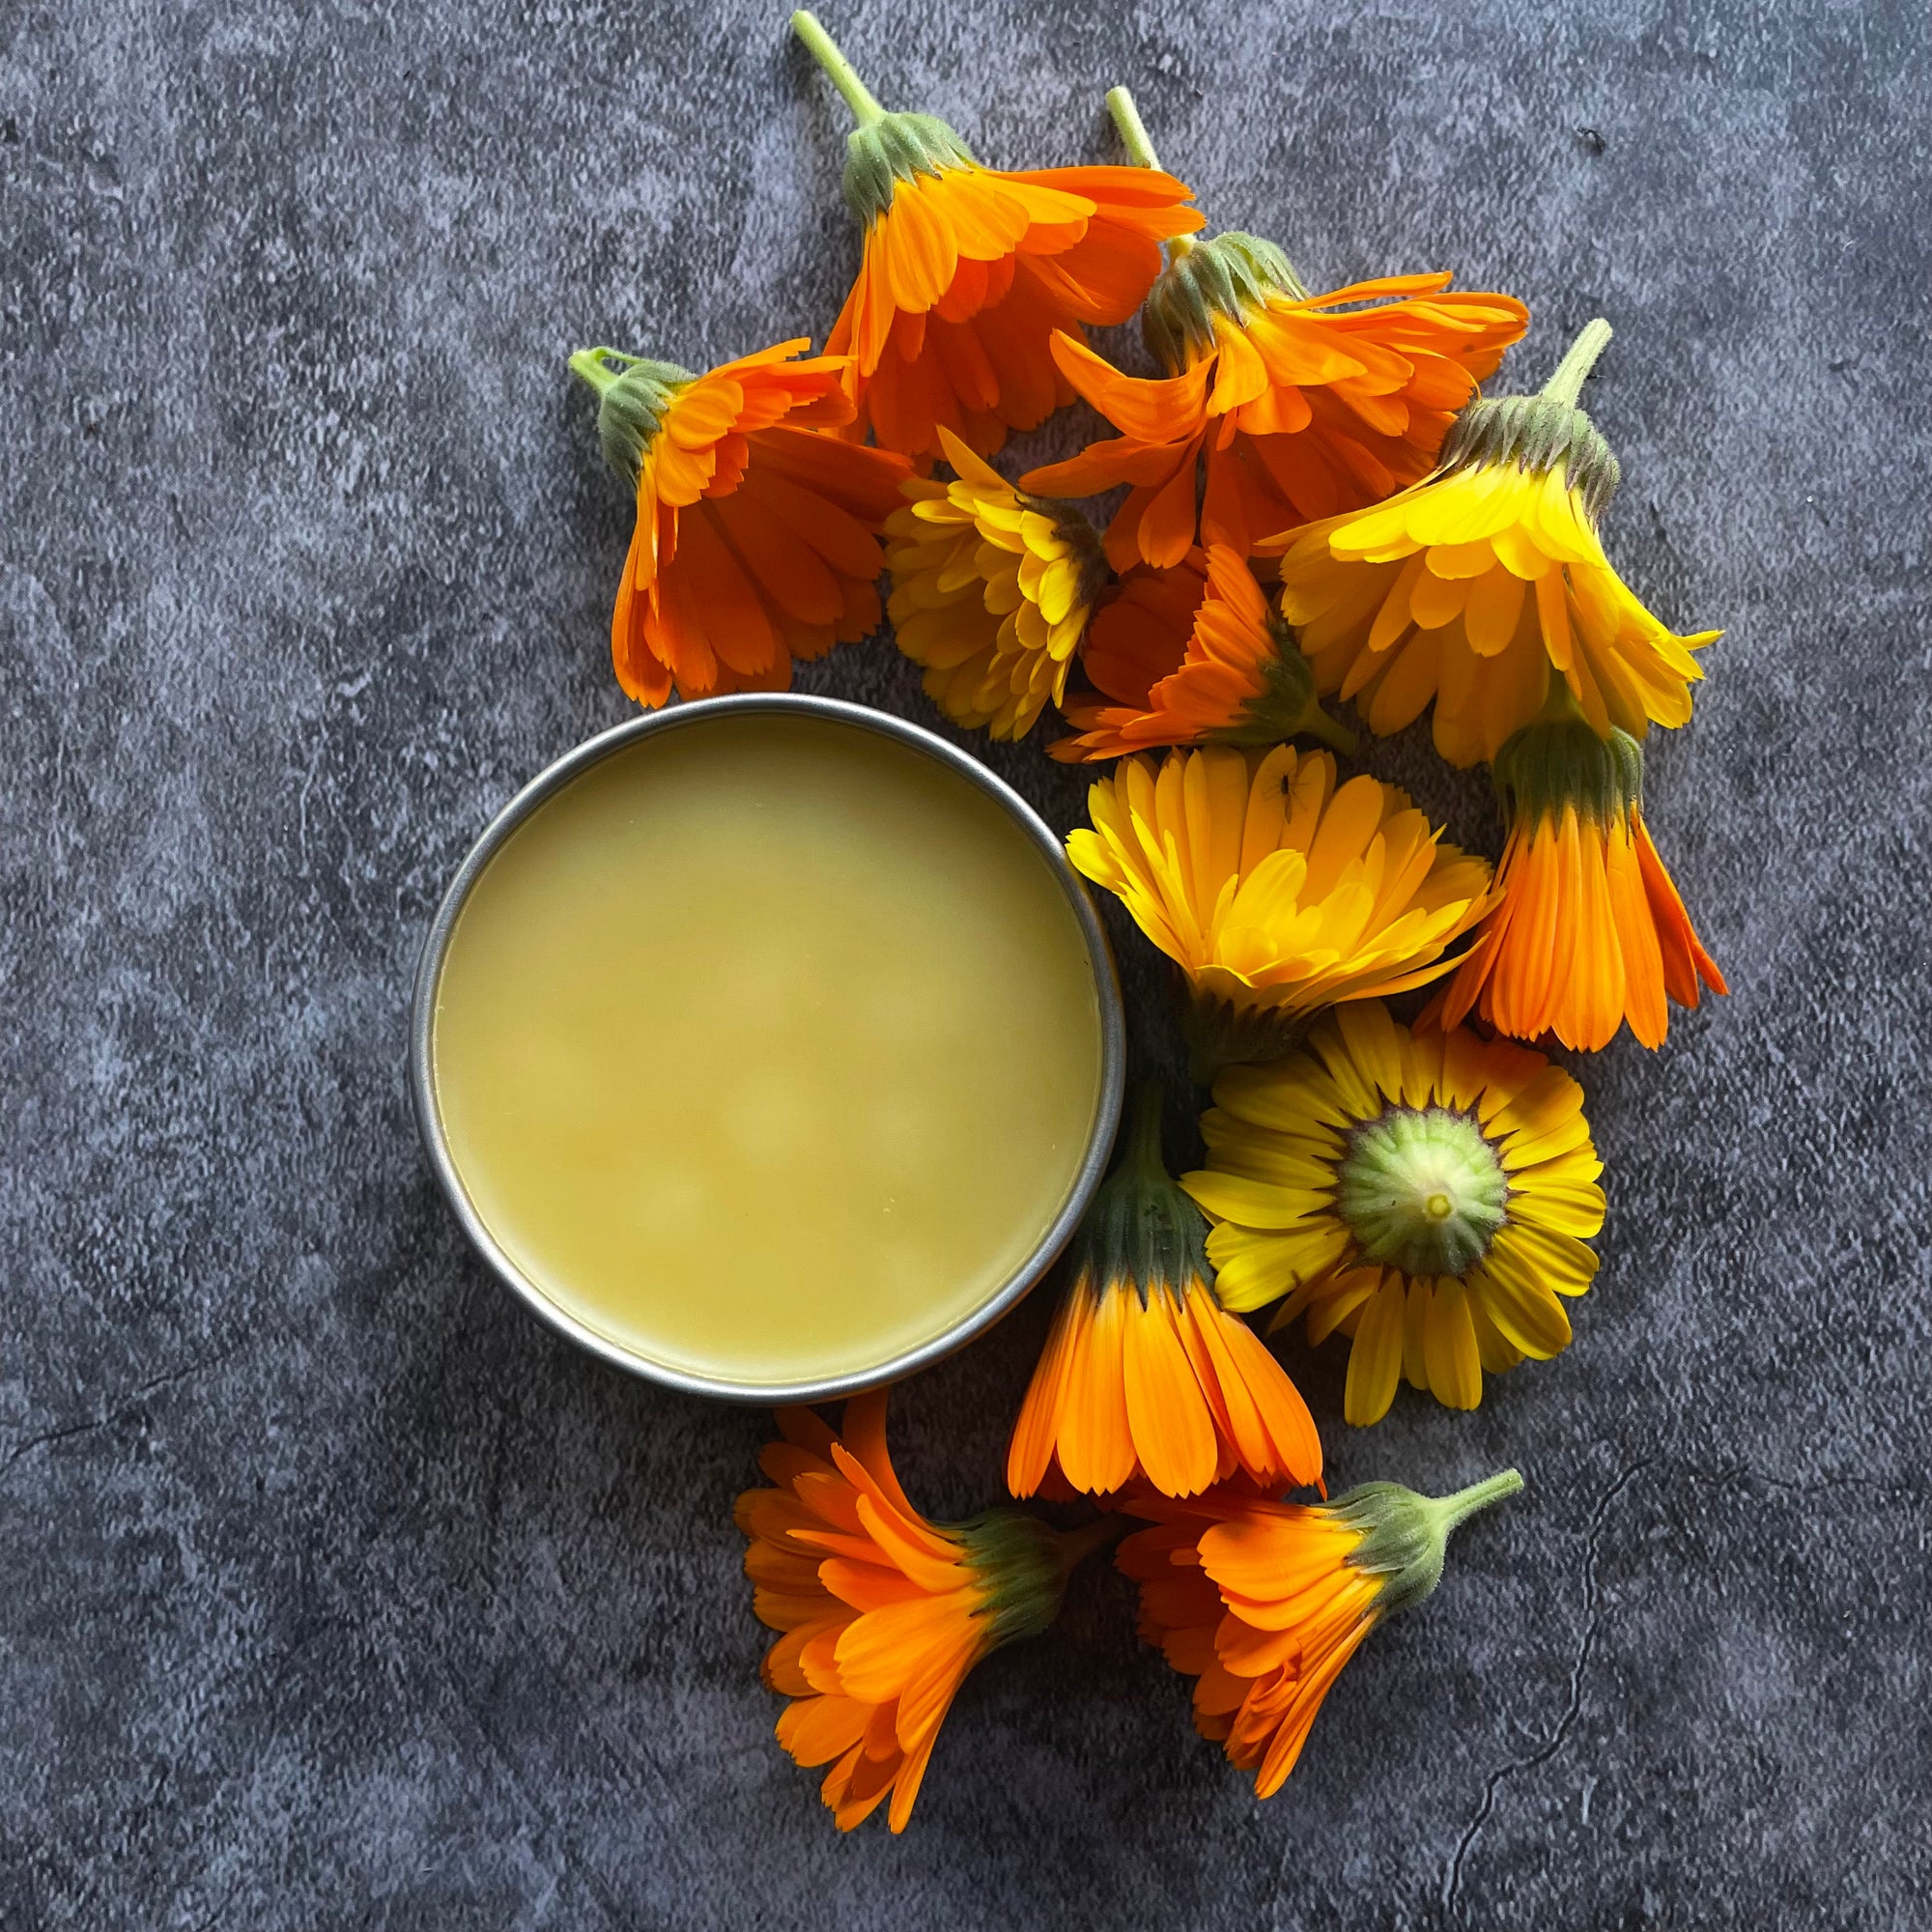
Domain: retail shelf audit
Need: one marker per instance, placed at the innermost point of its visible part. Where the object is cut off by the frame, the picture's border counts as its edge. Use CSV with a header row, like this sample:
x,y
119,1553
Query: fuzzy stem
x,y
1077,1544
843,75
1142,1154
1134,138
1132,130
1336,736
590,366
1464,1503
1566,384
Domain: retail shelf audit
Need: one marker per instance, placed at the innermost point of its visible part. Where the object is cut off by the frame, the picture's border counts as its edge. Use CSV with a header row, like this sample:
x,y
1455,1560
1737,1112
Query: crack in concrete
x,y
1557,1737
119,1411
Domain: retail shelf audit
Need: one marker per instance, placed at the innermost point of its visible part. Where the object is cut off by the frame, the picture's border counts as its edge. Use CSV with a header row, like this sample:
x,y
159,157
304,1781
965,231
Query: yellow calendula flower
x,y
1274,889
991,592
1428,1194
1474,585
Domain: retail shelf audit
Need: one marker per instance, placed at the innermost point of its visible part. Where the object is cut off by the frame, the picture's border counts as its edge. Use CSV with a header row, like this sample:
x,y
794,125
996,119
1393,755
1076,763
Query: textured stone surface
x,y
334,1591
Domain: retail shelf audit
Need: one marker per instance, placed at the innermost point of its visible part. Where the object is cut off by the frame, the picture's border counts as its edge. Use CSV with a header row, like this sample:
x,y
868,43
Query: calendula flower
x,y
1193,655
1262,1603
883,1613
1472,587
991,592
756,535
1301,406
968,271
1428,1194
1274,891
1588,930
1145,1376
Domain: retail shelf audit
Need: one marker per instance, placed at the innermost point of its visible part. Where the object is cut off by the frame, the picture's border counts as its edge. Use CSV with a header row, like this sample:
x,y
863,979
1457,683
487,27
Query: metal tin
x,y
685,717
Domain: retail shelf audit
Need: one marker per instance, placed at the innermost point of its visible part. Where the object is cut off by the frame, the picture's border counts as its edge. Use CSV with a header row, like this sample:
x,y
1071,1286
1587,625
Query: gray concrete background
x,y
333,1592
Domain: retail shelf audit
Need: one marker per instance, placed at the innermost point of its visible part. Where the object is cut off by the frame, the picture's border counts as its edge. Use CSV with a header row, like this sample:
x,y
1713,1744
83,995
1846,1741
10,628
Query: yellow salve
x,y
768,1048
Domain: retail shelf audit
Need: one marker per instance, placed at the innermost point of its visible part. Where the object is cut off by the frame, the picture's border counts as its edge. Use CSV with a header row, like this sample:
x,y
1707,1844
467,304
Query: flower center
x,y
1422,1190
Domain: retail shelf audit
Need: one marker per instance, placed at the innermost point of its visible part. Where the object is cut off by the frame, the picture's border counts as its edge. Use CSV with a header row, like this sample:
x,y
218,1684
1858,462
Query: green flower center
x,y
1422,1190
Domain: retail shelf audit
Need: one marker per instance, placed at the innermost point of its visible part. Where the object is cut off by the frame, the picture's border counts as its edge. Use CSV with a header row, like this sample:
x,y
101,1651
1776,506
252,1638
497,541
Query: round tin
x,y
693,715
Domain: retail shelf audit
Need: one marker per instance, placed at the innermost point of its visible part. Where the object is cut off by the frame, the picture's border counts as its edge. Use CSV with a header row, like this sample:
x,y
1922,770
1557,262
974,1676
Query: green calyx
x,y
884,149
1231,275
895,148
1537,432
1422,1190
1141,1232
1024,1567
1557,762
1285,707
1405,1536
632,396
1221,1034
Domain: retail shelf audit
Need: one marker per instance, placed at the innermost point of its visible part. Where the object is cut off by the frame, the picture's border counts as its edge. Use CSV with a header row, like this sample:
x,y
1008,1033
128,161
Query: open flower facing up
x,y
882,1612
1588,930
1262,1603
968,271
756,535
1276,892
1301,406
1428,1194
1193,655
1470,589
1145,1376
991,592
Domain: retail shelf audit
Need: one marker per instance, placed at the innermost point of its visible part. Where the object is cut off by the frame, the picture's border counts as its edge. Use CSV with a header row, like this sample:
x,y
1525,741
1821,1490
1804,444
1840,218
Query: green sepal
x,y
632,397
1220,1033
1285,707
1140,1231
1559,762
895,148
1535,433
1232,275
1405,1536
1024,1567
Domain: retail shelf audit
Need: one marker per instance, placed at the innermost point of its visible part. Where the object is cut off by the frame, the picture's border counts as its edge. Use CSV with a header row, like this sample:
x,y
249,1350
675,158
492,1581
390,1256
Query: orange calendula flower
x,y
991,592
968,271
1589,930
1145,1376
756,535
1300,404
1193,655
1469,589
1276,891
1262,1603
882,1612
1429,1195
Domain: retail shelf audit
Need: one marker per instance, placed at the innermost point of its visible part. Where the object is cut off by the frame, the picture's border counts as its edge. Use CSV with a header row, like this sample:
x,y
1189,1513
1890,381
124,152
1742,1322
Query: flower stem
x,y
1566,384
1132,130
844,77
1464,1503
1144,1133
1134,138
590,366
1077,1544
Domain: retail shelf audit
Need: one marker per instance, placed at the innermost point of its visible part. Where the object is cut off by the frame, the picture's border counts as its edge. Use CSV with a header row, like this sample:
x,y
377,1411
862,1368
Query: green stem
x,y
1142,1154
1566,384
1134,138
1318,723
844,77
590,366
1077,1544
1464,1503
1133,131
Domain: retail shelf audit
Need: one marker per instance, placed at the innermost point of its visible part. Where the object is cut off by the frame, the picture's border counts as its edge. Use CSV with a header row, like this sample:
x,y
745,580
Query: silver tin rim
x,y
593,750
